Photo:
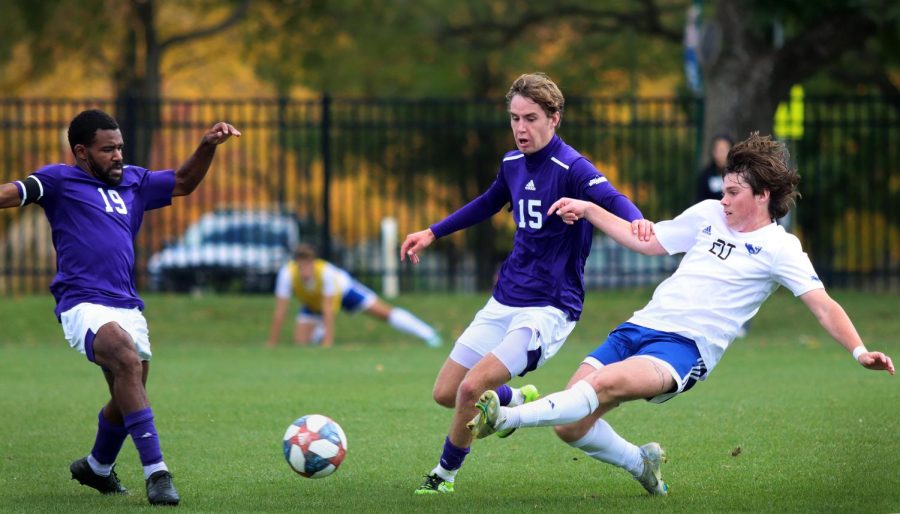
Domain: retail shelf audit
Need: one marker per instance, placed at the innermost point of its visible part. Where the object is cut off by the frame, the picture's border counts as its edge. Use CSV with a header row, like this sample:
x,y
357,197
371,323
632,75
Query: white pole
x,y
390,258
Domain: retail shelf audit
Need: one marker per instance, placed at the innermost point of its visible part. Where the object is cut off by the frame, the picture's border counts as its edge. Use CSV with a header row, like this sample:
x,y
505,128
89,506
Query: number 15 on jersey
x,y
535,216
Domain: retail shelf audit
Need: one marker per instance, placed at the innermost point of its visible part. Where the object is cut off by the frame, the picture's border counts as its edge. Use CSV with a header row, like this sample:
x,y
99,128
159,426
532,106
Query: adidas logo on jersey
x,y
708,230
530,186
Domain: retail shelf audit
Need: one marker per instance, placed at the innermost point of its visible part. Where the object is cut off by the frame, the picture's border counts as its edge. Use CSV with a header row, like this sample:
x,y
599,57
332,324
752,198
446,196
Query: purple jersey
x,y
546,265
94,226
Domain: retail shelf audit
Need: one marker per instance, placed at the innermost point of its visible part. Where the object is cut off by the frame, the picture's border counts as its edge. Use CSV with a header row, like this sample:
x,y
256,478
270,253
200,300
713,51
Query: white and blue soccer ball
x,y
315,446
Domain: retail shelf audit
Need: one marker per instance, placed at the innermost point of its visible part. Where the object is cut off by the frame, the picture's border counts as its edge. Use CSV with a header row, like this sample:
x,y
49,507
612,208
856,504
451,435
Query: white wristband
x,y
859,350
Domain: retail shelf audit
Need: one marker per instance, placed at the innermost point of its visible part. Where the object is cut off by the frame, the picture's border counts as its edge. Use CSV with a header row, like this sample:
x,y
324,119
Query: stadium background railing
x,y
339,166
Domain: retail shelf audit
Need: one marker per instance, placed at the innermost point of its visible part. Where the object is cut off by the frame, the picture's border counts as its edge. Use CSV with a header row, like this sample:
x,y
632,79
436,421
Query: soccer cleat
x,y
82,472
434,484
653,456
434,341
530,392
482,425
161,490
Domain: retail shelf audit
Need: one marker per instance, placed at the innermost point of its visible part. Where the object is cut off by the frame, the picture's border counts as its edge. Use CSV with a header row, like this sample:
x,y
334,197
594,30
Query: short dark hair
x,y
305,252
765,165
84,127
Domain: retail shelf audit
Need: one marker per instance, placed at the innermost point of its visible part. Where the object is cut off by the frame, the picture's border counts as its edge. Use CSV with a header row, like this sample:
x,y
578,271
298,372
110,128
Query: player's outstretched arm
x,y
281,307
9,196
189,175
414,243
636,237
328,320
835,321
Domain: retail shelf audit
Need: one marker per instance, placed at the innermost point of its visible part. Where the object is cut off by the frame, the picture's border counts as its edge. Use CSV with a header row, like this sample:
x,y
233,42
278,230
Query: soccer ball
x,y
315,446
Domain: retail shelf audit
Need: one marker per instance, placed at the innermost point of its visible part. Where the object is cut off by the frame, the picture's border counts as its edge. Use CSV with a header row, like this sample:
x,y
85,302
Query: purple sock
x,y
505,394
453,456
109,440
143,433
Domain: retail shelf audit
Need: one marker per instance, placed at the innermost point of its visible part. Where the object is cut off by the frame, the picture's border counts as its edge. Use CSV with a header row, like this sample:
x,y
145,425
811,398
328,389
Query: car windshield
x,y
255,234
245,230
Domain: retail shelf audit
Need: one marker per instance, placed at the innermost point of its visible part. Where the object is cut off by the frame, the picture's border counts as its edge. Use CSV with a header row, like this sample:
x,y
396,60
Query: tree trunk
x,y
138,78
742,92
138,84
747,72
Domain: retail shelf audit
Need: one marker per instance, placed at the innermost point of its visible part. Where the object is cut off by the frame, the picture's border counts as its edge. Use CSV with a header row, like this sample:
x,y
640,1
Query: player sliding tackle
x,y
735,257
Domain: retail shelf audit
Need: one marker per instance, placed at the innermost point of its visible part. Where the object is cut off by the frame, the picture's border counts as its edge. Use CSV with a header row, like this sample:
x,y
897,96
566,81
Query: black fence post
x,y
282,148
126,115
325,134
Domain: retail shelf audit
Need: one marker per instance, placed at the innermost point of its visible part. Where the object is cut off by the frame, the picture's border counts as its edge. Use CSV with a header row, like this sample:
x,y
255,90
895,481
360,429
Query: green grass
x,y
816,432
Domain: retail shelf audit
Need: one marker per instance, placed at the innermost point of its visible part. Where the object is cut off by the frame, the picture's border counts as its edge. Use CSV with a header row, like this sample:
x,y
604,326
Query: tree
x,y
472,49
753,50
121,41
756,51
138,74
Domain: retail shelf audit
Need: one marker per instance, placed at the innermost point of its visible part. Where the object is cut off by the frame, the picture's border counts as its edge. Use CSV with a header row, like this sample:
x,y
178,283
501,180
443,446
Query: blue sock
x,y
452,456
143,433
110,438
505,394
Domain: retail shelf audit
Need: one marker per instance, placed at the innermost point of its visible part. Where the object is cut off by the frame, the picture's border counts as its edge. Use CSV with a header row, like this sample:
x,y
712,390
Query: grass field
x,y
815,432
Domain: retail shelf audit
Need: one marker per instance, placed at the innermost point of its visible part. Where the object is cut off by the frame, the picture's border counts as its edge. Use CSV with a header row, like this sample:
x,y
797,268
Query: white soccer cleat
x,y
653,456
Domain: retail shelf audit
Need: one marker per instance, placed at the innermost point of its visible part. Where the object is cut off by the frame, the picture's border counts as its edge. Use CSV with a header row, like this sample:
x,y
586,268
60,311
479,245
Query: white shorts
x,y
81,323
550,327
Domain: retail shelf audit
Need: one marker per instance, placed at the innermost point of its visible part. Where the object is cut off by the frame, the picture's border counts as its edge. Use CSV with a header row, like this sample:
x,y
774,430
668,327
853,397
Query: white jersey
x,y
335,281
723,278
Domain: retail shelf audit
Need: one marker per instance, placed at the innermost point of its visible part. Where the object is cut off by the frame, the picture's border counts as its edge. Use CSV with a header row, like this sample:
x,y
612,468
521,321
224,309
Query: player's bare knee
x,y
469,392
115,350
125,361
608,388
444,398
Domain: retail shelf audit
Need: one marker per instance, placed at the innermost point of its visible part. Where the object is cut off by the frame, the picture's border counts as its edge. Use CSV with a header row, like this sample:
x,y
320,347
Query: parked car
x,y
227,250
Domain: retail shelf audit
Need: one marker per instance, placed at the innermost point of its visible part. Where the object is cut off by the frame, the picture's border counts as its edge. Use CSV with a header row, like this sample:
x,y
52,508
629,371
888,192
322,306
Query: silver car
x,y
227,250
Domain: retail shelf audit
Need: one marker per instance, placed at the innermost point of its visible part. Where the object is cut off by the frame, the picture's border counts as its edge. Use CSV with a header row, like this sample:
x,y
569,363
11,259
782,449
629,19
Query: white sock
x,y
554,409
517,397
153,468
318,333
604,444
447,474
404,321
101,469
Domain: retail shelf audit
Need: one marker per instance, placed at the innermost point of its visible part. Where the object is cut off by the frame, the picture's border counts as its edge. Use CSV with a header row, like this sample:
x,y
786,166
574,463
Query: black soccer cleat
x,y
82,472
161,490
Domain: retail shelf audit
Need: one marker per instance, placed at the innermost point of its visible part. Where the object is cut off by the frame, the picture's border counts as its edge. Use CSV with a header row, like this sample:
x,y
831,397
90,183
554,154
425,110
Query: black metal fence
x,y
341,172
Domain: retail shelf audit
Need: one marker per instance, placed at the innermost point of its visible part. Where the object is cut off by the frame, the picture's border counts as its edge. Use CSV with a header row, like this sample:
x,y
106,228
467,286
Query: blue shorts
x,y
677,353
358,298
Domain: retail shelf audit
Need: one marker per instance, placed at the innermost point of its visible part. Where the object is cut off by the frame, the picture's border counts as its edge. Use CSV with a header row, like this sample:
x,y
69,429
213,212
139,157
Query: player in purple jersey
x,y
95,209
540,288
